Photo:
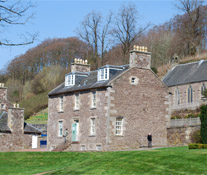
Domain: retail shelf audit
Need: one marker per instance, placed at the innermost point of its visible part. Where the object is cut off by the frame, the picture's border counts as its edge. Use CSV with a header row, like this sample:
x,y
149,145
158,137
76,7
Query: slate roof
x,y
187,73
4,127
89,82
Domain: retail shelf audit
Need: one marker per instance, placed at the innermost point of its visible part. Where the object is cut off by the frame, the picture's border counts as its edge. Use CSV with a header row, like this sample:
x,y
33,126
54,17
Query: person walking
x,y
149,138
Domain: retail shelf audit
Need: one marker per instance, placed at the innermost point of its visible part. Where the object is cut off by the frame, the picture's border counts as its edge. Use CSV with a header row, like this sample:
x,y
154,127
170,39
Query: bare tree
x,y
94,30
192,24
15,13
125,30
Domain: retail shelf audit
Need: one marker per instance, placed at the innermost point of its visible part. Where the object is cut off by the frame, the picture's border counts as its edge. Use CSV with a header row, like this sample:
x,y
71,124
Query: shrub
x,y
154,69
191,115
196,137
197,146
176,117
203,130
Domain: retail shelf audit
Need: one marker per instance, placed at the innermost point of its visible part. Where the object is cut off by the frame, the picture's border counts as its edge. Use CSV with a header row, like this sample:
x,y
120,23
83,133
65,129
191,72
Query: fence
x,y
185,122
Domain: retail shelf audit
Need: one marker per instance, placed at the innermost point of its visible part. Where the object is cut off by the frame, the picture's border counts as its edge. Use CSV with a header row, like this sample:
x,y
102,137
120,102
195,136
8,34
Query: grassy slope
x,y
178,160
39,118
35,104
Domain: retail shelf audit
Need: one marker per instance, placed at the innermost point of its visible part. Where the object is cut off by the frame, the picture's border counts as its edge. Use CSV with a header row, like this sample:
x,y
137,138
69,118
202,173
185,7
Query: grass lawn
x,y
164,161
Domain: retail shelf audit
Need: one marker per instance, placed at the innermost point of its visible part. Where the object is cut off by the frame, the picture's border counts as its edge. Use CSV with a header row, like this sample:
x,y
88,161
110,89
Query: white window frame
x,y
93,126
93,99
70,80
119,126
103,74
77,102
60,128
61,104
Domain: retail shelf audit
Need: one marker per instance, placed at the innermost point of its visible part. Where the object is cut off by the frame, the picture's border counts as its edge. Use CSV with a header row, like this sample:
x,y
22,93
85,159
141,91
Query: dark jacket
x,y
149,137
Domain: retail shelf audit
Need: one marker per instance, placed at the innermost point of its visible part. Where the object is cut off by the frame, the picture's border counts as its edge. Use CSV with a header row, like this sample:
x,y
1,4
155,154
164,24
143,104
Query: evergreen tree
x,y
203,130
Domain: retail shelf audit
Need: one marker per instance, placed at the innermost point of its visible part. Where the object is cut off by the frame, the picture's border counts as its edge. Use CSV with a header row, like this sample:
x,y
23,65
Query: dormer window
x,y
103,74
70,80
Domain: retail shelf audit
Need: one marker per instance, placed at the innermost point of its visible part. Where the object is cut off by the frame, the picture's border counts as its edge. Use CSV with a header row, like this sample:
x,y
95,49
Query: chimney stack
x,y
140,57
16,119
80,65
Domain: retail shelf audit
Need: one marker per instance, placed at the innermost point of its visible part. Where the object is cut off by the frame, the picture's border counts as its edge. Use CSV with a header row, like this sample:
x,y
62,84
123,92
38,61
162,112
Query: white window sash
x,y
119,127
93,126
93,101
77,101
60,128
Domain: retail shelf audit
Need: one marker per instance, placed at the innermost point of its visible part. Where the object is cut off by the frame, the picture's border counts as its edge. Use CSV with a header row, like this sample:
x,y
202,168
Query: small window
x,y
103,74
93,126
93,99
98,147
77,101
70,80
61,103
60,130
190,94
119,126
133,80
83,147
3,106
203,88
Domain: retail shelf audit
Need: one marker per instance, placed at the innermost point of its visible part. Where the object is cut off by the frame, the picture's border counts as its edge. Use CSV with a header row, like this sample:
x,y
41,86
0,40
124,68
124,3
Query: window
x,y
61,103
190,94
98,147
70,80
3,106
93,126
119,126
93,99
203,88
83,147
77,101
177,96
60,130
103,74
133,80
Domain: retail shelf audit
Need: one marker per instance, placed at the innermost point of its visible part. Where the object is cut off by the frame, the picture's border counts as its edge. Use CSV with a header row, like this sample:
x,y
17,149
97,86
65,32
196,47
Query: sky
x,y
61,18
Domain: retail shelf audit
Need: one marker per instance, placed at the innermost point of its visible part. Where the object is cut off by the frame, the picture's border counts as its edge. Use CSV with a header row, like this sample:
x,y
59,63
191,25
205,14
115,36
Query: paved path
x,y
32,150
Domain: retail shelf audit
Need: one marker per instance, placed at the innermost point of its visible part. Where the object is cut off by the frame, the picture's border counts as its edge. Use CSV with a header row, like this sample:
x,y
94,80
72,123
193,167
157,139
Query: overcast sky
x,y
61,18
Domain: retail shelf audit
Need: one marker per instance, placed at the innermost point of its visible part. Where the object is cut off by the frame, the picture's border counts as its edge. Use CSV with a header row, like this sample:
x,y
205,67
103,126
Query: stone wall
x,y
84,115
183,89
15,141
178,136
144,107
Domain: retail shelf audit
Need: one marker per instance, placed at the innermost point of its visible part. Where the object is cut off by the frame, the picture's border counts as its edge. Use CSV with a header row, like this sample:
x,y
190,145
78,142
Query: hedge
x,y
197,146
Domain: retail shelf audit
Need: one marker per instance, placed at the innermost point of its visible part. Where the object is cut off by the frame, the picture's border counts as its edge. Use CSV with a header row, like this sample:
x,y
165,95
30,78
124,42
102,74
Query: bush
x,y
196,137
176,117
197,146
154,69
192,116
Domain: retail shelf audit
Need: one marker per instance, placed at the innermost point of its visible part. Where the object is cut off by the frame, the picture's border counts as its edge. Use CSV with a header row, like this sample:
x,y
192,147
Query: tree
x,y
192,24
15,13
203,130
94,31
125,30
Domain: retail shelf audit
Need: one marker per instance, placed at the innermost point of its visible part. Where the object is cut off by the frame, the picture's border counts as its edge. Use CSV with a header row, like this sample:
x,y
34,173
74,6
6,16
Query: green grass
x,y
178,160
40,118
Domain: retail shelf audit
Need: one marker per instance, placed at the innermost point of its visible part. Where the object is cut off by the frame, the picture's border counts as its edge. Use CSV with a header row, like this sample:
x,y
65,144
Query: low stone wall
x,y
10,142
181,135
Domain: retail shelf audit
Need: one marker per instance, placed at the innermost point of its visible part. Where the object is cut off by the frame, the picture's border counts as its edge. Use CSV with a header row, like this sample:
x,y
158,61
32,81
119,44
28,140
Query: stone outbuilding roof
x,y
28,129
187,73
89,81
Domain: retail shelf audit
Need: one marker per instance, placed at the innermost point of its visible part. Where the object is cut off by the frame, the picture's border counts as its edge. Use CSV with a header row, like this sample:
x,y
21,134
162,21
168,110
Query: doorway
x,y
75,131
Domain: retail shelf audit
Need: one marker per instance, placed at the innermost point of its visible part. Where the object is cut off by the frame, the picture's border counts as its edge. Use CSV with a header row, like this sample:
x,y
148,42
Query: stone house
x,y
186,83
112,108
15,134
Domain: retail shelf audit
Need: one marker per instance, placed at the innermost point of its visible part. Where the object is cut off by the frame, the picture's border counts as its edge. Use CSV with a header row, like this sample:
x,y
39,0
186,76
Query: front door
x,y
75,130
